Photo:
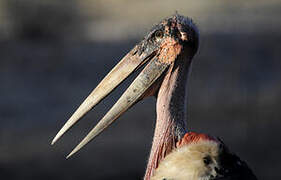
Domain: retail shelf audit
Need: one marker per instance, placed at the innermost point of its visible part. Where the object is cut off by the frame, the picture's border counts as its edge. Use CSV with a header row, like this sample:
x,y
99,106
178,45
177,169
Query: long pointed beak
x,y
139,86
135,91
120,72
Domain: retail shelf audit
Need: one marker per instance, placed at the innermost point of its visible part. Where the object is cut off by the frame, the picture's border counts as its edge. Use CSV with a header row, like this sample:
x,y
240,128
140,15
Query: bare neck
x,y
170,124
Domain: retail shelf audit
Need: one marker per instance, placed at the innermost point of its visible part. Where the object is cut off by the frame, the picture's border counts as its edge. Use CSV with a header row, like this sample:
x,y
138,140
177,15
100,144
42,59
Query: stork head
x,y
165,45
202,157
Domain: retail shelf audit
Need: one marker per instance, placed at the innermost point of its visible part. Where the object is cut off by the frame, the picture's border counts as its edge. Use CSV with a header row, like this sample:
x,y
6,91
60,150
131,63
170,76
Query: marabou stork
x,y
176,154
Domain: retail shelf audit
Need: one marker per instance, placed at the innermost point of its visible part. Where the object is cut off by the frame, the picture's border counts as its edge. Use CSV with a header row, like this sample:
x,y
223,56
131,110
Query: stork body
x,y
167,50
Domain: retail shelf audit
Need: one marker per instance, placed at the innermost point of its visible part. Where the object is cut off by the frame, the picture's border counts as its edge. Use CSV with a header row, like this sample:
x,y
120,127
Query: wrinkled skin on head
x,y
170,37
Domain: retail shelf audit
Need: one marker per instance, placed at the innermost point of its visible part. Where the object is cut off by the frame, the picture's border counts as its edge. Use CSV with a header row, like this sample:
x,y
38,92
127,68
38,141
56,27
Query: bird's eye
x,y
207,160
158,34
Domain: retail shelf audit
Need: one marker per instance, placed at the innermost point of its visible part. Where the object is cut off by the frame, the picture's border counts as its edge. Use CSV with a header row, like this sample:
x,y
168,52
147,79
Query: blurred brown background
x,y
53,53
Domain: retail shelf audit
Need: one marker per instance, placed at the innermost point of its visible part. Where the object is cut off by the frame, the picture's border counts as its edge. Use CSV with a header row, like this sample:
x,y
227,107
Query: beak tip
x,y
55,139
53,142
68,156
72,152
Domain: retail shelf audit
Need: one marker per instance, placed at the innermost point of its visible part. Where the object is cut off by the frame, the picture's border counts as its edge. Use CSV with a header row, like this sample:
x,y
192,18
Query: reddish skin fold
x,y
191,137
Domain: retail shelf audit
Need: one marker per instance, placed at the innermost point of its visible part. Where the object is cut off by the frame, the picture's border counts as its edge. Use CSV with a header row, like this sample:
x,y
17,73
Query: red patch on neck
x,y
192,137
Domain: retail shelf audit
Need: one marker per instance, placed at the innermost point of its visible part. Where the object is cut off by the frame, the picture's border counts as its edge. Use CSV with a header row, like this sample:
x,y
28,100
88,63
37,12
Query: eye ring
x,y
159,34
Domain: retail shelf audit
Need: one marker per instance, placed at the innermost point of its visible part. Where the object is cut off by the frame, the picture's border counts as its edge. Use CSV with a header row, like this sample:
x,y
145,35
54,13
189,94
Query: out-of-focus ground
x,y
53,53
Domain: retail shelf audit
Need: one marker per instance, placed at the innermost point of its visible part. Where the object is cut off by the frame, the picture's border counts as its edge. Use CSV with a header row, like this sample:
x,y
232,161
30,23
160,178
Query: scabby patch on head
x,y
178,30
169,37
169,50
181,27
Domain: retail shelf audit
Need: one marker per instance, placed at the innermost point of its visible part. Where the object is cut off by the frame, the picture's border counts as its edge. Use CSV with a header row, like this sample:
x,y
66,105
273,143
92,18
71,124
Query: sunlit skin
x,y
166,52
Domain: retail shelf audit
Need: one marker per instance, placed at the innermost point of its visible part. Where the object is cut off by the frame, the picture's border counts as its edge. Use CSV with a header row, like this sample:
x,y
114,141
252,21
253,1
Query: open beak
x,y
131,62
